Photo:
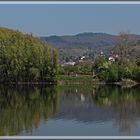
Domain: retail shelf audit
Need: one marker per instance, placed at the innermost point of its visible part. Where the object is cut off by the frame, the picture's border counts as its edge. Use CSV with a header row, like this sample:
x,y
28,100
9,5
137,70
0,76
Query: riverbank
x,y
80,79
127,83
77,80
28,83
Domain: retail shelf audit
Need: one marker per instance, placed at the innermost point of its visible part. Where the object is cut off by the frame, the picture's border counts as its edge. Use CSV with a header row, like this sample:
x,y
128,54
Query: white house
x,y
112,59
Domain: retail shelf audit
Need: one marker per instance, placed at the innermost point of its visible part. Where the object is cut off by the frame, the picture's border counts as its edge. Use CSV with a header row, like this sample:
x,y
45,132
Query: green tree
x,y
24,58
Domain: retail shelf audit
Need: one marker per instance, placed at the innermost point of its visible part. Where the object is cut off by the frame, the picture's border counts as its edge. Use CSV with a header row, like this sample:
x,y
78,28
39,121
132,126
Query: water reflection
x,y
23,108
125,103
101,104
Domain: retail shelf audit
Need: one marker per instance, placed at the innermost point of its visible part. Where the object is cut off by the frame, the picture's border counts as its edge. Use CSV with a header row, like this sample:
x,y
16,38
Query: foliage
x,y
112,72
68,69
136,74
100,68
78,68
80,79
23,58
112,75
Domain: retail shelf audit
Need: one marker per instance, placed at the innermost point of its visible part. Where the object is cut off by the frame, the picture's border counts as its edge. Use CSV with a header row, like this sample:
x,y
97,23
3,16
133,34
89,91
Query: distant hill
x,y
92,40
82,40
76,45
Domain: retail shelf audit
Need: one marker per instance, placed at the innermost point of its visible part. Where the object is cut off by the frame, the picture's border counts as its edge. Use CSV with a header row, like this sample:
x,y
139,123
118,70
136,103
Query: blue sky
x,y
62,19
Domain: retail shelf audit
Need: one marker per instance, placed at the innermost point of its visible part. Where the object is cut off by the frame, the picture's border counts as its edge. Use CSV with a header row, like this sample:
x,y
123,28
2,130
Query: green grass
x,y
75,78
80,79
127,83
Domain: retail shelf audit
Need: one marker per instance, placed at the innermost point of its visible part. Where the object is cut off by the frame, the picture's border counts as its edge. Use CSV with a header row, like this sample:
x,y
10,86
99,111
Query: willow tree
x,y
24,58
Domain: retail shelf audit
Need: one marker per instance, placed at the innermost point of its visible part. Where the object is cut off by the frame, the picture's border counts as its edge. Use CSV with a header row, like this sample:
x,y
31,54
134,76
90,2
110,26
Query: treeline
x,y
23,58
115,72
125,66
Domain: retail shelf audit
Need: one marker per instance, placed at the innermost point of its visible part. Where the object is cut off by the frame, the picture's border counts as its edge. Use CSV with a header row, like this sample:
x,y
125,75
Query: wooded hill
x,y
77,45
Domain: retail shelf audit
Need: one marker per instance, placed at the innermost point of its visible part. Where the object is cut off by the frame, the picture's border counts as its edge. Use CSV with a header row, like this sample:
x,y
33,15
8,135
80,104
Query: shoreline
x,y
82,79
28,83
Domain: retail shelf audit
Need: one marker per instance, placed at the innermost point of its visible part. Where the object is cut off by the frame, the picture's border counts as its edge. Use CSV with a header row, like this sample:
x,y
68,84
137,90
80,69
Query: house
x,y
82,58
69,63
111,59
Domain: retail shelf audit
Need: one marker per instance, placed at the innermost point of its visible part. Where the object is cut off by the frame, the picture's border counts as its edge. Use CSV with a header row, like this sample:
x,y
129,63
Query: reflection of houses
x,y
82,98
81,107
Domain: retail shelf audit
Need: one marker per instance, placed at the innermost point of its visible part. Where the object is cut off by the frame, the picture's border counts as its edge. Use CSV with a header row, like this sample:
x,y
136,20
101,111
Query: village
x,y
91,58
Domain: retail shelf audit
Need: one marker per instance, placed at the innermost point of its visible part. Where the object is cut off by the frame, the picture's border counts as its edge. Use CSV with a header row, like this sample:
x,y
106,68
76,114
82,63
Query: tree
x,y
124,42
24,58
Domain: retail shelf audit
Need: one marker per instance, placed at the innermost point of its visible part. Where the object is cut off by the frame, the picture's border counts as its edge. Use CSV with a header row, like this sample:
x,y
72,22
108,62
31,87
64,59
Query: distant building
x,y
101,52
68,63
116,56
83,57
111,59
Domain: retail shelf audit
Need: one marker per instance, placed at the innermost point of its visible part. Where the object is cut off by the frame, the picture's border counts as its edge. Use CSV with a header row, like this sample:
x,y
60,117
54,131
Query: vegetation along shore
x,y
27,59
24,58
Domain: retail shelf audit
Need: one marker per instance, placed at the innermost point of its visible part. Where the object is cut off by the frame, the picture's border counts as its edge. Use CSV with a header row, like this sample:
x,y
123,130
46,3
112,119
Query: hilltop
x,y
77,45
86,40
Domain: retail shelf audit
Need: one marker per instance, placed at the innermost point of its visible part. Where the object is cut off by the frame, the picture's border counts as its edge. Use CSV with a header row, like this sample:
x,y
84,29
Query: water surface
x,y
72,110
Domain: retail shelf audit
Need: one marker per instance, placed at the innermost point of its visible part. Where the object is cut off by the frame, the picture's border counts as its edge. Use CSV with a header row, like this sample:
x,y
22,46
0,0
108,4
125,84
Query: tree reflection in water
x,y
100,104
22,108
125,103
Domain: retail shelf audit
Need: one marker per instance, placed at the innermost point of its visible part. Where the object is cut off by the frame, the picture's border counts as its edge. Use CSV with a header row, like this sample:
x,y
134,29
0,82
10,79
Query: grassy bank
x,y
88,79
127,83
69,79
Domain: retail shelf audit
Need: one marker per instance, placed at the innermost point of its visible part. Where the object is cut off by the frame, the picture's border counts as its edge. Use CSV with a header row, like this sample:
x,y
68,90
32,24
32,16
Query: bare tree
x,y
125,42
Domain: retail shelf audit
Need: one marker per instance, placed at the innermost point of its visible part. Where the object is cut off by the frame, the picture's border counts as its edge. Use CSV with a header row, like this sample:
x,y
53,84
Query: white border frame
x,y
69,137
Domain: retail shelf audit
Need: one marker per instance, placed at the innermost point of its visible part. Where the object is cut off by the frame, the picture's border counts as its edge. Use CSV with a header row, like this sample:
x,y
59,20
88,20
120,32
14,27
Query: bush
x,y
35,73
136,74
101,68
112,74
124,72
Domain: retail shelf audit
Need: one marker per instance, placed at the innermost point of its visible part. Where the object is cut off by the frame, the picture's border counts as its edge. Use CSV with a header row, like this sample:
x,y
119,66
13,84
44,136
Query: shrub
x,y
124,72
112,74
136,74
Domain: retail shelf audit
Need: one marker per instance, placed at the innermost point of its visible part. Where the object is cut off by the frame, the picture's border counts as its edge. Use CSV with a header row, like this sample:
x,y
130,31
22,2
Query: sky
x,y
70,19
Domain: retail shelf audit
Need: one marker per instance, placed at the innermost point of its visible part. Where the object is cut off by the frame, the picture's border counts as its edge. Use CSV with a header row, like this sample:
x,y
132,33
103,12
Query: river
x,y
69,110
